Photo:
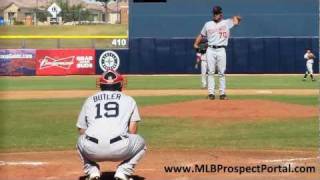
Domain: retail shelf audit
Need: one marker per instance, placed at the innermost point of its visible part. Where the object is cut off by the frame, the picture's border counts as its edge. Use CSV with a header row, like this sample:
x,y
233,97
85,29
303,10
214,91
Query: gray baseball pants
x,y
130,149
216,59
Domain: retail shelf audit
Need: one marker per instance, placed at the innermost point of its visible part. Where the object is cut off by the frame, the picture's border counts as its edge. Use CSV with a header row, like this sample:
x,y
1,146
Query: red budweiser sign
x,y
65,62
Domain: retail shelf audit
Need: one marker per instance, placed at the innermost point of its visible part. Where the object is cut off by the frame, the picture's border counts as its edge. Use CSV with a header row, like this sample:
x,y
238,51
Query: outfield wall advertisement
x,y
17,62
112,59
65,62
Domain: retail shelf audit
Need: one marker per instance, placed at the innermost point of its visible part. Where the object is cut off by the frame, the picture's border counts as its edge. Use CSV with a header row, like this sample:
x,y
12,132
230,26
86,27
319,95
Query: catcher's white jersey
x,y
107,114
217,33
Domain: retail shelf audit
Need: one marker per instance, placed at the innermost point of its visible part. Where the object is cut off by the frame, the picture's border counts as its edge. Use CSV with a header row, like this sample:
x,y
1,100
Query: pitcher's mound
x,y
230,109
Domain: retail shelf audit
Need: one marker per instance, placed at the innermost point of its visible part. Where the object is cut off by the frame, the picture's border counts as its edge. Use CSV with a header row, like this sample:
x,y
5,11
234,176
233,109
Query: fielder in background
x,y
202,61
217,31
108,124
309,57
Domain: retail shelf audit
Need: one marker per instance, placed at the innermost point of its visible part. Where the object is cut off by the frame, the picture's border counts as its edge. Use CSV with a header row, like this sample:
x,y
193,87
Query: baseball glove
x,y
202,48
311,56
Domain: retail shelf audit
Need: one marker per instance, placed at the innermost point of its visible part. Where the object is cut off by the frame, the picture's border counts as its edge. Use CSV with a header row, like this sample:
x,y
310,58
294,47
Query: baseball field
x,y
269,120
71,30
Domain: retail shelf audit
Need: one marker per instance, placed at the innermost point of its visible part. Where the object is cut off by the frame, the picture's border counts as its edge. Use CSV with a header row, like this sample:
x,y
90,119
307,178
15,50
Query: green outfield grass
x,y
200,134
302,100
49,124
156,82
82,30
106,29
53,43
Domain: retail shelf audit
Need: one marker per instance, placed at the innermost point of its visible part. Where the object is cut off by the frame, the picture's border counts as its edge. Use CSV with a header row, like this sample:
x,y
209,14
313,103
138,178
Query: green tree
x,y
74,12
42,15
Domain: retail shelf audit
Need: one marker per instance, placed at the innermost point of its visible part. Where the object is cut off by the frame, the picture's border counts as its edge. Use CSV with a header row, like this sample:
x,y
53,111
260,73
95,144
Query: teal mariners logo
x,y
109,60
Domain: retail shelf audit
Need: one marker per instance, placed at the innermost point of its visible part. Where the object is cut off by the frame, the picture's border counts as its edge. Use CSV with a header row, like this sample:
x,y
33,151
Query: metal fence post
x,y
23,44
58,43
93,43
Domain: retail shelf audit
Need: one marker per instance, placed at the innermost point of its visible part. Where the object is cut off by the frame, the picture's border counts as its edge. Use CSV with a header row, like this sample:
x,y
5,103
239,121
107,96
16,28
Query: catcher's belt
x,y
113,140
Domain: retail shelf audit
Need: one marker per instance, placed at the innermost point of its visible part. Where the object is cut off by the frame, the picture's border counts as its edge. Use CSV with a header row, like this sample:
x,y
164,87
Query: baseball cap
x,y
217,10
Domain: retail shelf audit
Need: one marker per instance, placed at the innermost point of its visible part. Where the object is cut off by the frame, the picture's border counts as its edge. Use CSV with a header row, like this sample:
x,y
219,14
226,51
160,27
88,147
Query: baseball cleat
x,y
211,96
223,97
93,176
96,178
304,79
121,176
313,79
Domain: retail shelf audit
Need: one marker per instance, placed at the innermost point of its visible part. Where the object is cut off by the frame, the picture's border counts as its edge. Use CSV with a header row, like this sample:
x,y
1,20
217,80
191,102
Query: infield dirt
x,y
230,110
60,165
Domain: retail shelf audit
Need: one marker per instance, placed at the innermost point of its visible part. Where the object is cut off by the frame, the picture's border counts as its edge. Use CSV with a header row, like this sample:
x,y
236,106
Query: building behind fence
x,y
26,12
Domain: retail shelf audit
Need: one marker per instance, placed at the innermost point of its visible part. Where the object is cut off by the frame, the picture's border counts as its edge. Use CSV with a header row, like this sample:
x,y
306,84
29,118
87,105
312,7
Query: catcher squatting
x,y
108,120
107,125
217,32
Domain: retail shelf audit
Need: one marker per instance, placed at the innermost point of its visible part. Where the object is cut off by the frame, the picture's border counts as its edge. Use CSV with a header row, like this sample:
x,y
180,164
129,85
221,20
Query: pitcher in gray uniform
x,y
217,31
107,125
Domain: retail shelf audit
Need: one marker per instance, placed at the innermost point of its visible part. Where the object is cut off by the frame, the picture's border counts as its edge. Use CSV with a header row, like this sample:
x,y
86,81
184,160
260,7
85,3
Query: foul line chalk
x,y
22,163
289,160
146,169
264,92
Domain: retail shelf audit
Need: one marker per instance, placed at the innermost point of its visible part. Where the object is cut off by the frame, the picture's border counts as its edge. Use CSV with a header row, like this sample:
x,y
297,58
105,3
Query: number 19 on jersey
x,y
110,109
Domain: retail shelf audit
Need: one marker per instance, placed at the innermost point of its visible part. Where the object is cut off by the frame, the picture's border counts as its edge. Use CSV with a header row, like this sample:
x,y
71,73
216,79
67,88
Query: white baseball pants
x,y
309,65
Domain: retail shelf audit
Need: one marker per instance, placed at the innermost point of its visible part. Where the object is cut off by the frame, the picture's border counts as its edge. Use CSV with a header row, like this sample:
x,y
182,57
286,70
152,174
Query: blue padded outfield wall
x,y
272,37
245,55
261,18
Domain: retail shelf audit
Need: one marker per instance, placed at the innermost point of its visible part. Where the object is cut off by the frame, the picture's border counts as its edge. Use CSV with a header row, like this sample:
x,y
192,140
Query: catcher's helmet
x,y
111,80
